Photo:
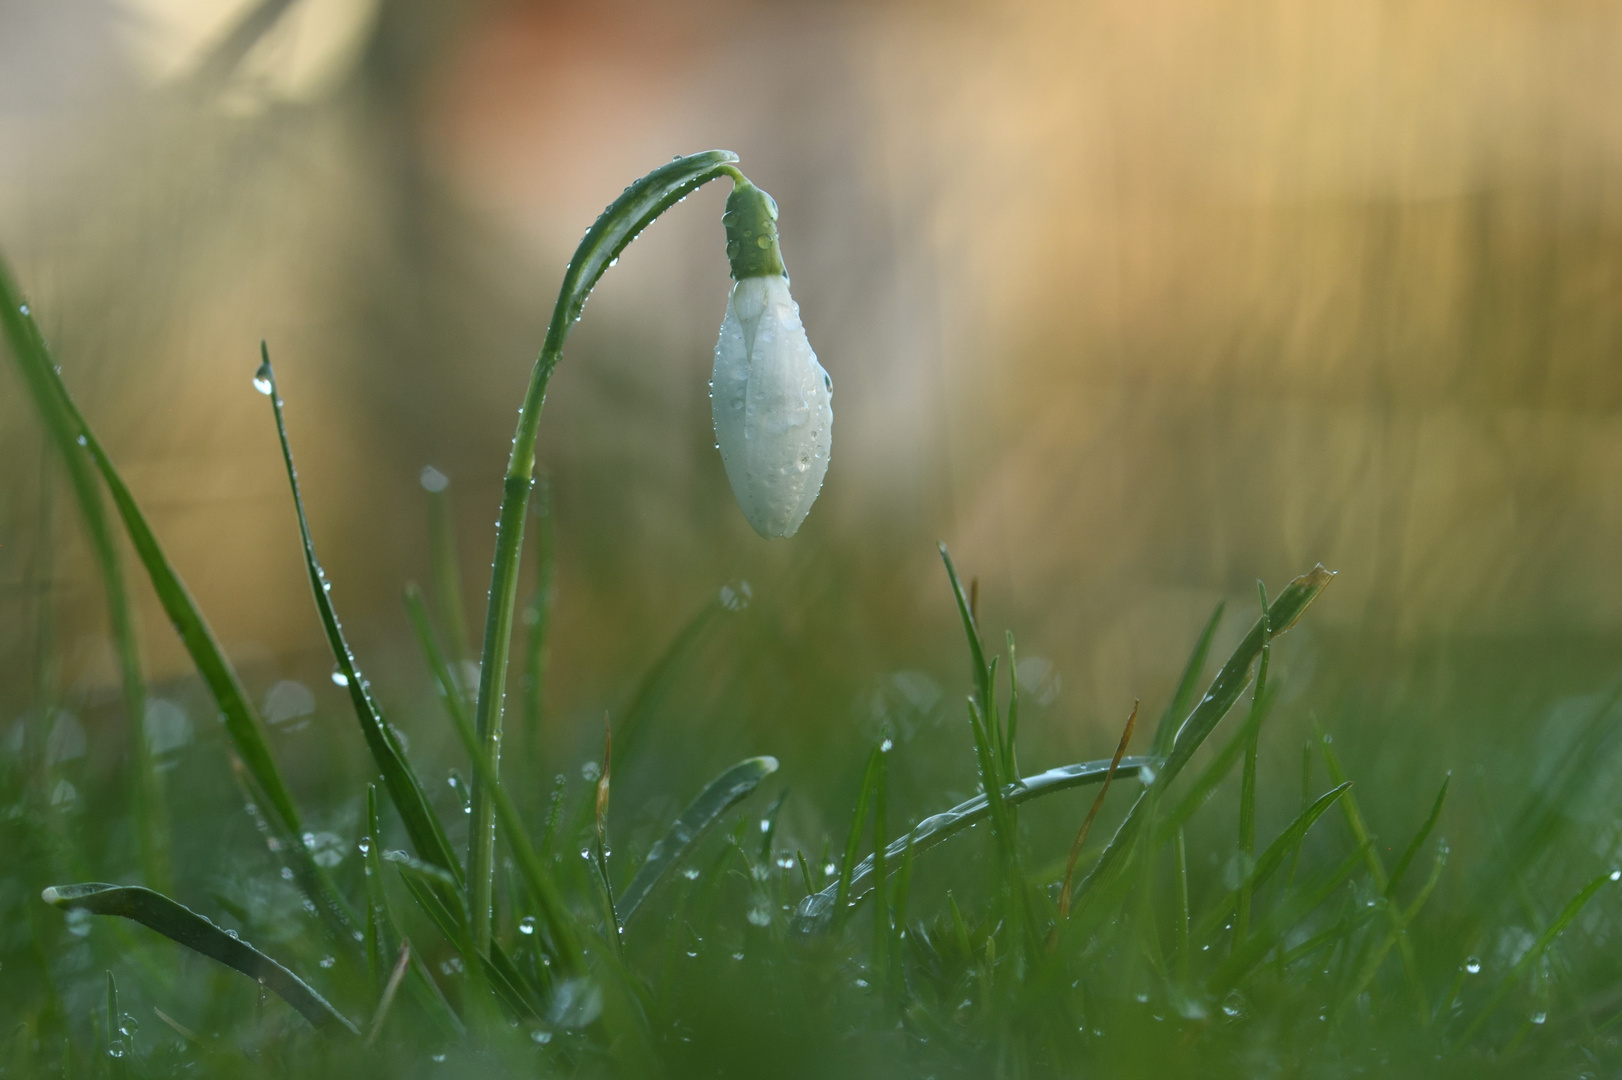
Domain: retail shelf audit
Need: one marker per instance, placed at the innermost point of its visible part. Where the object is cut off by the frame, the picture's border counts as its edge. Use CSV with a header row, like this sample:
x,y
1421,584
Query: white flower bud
x,y
773,406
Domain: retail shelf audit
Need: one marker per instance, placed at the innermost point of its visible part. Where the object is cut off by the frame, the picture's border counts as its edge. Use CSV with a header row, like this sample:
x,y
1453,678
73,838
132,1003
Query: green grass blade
x,y
1247,781
1377,873
559,921
381,938
1286,843
977,649
1010,760
242,723
1225,689
157,912
1231,680
1184,935
701,815
625,217
815,909
1372,966
117,1052
1254,949
1187,686
447,575
1414,845
405,791
881,824
656,681
853,844
38,370
1572,909
1206,782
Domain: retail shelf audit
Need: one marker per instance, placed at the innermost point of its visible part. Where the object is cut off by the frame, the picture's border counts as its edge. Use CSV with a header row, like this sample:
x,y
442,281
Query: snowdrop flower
x,y
771,401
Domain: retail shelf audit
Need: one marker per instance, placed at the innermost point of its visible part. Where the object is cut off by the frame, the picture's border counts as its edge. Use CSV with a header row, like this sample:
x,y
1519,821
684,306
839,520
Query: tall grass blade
x,y
184,926
38,370
853,844
971,630
242,723
1247,779
117,1050
405,791
701,815
618,225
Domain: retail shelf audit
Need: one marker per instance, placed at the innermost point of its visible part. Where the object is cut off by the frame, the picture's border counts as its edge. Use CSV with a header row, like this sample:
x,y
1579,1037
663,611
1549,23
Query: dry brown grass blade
x,y
1087,823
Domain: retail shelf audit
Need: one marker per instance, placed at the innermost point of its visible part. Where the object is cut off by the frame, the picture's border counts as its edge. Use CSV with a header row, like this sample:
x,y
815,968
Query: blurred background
x,y
1131,303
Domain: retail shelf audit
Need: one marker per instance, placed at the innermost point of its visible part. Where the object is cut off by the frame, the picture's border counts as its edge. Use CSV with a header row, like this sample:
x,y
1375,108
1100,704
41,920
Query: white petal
x,y
773,407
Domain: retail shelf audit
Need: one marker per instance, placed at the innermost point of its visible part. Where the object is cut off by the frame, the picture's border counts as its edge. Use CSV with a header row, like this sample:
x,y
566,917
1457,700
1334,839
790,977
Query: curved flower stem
x,y
618,225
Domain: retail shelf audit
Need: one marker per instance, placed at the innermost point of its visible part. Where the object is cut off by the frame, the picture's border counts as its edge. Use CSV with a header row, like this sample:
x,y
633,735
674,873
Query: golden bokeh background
x,y
1132,303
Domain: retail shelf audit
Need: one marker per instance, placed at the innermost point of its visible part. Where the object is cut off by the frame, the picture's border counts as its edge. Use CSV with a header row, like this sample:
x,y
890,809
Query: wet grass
x,y
217,919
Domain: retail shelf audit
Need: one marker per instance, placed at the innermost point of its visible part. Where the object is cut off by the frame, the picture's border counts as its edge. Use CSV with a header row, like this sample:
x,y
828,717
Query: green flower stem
x,y
618,225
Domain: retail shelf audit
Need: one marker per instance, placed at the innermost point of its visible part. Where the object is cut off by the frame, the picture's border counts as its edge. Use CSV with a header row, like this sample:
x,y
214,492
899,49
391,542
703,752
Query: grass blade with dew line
x,y
380,930
1247,779
858,823
815,910
1262,870
635,209
1377,873
1215,771
184,926
559,921
242,723
405,791
1224,690
1572,909
1418,841
38,370
1187,686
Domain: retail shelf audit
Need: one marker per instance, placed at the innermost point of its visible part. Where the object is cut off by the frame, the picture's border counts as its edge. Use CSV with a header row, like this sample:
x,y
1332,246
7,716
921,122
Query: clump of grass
x,y
714,945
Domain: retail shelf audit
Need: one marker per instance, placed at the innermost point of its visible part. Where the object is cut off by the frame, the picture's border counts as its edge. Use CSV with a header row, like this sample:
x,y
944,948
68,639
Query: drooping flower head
x,y
771,401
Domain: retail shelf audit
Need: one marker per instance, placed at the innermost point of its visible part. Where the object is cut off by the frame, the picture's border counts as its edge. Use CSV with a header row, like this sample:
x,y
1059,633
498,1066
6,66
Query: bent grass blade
x,y
184,926
816,909
701,815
